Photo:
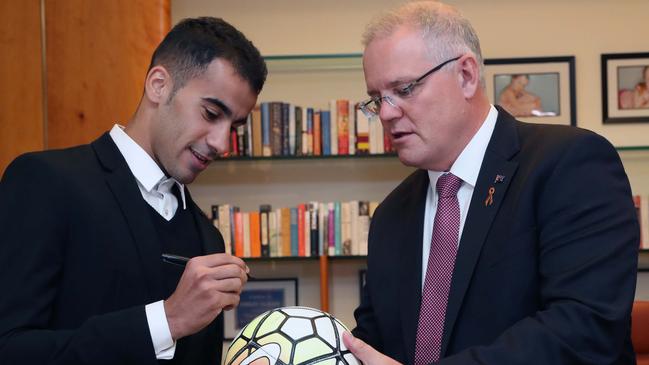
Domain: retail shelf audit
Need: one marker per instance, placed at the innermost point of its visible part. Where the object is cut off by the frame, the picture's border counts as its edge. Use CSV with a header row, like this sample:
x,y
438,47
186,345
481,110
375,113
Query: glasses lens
x,y
370,108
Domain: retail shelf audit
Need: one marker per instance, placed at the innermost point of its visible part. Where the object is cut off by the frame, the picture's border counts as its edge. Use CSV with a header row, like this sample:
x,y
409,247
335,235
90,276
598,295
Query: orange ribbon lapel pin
x,y
490,194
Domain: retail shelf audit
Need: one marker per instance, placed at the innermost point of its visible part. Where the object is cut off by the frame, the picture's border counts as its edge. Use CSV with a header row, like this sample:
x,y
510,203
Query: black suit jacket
x,y
79,260
544,275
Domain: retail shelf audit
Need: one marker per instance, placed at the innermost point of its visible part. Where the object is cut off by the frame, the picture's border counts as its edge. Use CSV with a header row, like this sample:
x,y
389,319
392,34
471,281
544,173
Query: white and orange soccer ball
x,y
291,336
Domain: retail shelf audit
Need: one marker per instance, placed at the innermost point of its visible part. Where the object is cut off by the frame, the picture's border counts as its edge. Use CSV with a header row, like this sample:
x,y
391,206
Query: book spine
x,y
285,129
298,130
276,128
264,211
325,118
257,149
286,231
313,229
338,229
309,131
363,226
332,230
317,134
343,126
245,227
238,234
333,127
301,244
291,130
255,234
351,112
266,147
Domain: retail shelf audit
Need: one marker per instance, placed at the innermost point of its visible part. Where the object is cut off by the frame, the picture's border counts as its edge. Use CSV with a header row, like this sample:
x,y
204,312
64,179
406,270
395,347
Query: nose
x,y
218,139
389,110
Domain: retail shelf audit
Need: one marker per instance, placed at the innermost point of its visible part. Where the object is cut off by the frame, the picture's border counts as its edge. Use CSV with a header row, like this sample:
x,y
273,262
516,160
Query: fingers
x,y
219,259
365,353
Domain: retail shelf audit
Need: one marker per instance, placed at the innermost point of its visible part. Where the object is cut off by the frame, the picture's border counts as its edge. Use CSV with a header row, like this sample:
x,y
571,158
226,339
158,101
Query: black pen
x,y
182,261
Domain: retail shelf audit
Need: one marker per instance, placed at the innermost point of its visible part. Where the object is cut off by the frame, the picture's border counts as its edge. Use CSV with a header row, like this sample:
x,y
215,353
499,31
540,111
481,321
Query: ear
x,y
158,85
469,75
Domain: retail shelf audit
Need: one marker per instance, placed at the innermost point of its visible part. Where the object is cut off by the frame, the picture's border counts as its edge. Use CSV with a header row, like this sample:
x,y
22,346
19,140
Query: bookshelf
x,y
329,283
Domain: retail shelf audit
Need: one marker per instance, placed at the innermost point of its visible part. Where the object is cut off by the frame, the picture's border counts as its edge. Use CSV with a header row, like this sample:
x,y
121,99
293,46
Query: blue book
x,y
325,128
265,129
294,233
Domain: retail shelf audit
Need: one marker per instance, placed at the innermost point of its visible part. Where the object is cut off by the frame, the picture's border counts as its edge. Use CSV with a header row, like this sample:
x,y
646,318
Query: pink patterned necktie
x,y
441,261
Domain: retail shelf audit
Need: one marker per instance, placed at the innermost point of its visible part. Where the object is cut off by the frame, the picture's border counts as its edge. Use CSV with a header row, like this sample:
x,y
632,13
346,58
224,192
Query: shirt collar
x,y
144,168
467,165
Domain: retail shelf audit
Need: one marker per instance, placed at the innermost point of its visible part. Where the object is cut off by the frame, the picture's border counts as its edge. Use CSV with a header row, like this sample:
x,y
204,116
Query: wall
x,y
507,28
21,93
70,69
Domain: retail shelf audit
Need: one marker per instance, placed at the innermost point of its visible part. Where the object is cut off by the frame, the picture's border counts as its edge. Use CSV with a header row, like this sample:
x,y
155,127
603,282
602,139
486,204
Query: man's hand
x,y
208,285
365,353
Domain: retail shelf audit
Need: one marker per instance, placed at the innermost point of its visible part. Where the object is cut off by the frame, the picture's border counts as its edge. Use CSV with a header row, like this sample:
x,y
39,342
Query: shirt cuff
x,y
163,344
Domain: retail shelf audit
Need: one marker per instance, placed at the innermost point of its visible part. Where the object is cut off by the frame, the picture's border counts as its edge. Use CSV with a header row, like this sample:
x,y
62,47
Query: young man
x,y
514,243
83,229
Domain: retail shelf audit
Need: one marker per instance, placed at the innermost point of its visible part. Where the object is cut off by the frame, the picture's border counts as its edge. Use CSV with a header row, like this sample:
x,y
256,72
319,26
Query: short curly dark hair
x,y
194,43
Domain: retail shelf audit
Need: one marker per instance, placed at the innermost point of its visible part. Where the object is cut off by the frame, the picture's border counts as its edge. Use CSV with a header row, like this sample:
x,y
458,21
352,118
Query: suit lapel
x,y
210,243
497,161
410,276
122,184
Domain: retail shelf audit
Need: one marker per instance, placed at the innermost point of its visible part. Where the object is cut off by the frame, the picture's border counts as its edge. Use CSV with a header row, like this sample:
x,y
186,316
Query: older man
x,y
513,243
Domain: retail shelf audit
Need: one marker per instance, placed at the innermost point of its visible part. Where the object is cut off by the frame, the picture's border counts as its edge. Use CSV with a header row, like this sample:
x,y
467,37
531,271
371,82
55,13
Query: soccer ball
x,y
291,336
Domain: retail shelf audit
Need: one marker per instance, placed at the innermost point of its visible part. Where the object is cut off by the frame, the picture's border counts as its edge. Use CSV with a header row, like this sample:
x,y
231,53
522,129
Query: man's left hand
x,y
365,353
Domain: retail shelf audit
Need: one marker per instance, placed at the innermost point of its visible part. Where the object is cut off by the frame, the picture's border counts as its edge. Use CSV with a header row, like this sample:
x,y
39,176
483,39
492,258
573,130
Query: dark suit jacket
x,y
79,260
544,275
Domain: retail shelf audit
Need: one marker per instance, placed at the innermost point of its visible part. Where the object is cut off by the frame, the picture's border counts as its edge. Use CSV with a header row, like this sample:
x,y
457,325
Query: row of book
x,y
310,229
642,208
284,129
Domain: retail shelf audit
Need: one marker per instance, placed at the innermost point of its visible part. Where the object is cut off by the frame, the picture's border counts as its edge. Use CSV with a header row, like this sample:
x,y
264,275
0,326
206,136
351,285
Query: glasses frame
x,y
364,106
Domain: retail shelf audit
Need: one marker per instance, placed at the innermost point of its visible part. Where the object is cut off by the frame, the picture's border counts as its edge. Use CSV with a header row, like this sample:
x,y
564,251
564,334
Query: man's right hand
x,y
208,285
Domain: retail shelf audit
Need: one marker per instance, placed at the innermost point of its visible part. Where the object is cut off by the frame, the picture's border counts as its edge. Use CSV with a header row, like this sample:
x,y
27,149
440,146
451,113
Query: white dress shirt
x,y
156,191
466,167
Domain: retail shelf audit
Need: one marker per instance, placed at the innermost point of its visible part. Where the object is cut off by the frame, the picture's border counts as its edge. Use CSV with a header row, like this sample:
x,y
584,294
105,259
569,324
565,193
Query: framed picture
x,y
537,90
625,88
257,297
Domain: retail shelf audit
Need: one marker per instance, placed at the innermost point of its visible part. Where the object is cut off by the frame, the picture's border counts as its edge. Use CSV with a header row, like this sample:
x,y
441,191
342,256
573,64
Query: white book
x,y
307,231
224,227
272,233
248,152
352,128
353,211
291,129
644,221
333,126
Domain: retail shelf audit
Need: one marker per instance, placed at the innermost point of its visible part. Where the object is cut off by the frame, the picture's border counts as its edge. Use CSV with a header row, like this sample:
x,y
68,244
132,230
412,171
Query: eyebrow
x,y
214,101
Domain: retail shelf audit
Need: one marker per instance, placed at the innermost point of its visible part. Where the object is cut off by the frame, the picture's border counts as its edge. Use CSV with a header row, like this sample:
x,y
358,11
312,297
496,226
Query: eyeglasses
x,y
372,107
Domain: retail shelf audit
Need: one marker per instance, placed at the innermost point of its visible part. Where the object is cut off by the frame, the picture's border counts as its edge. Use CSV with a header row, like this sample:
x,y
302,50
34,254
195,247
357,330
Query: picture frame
x,y
257,297
535,90
625,88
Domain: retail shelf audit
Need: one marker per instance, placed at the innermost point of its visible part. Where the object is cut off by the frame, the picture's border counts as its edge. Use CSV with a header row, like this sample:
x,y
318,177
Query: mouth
x,y
399,135
204,160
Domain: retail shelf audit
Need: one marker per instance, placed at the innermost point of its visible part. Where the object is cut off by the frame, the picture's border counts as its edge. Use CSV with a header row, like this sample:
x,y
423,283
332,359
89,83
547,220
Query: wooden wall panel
x,y
21,89
97,57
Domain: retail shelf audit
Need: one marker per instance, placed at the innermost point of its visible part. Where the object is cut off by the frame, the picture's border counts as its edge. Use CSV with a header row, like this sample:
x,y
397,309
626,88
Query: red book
x,y
238,234
342,108
255,235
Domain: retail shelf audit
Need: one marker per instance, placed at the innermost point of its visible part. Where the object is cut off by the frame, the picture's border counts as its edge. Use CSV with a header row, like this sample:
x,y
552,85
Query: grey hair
x,y
445,30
